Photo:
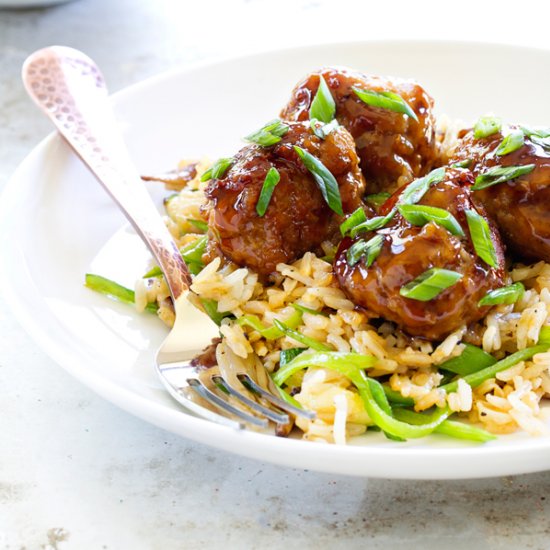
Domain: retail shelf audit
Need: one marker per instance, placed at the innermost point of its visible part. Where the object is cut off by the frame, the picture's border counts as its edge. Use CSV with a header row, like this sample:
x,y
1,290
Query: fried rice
x,y
510,401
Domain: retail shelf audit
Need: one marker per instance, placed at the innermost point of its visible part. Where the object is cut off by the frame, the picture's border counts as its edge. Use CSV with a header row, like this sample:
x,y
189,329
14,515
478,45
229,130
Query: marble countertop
x,y
78,473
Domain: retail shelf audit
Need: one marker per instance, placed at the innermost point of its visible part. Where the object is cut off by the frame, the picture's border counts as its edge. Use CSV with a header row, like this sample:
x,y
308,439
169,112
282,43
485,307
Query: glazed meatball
x,y
297,219
521,206
392,146
409,250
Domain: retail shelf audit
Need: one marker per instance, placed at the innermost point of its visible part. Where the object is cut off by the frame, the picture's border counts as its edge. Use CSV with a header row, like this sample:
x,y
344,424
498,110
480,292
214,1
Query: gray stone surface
x,y
77,473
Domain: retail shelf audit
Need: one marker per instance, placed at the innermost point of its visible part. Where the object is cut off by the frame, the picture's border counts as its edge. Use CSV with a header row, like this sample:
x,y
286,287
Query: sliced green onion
x,y
505,295
192,256
466,163
325,180
356,218
300,338
477,378
480,233
323,107
371,249
218,169
201,225
287,355
373,224
385,100
114,290
414,192
472,359
501,174
512,142
487,126
305,309
543,142
323,130
452,428
421,215
269,333
352,366
269,134
430,284
211,309
377,199
271,180
154,272
536,132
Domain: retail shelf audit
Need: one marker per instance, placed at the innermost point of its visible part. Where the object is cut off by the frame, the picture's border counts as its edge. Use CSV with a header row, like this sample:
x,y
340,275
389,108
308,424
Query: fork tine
x,y
260,409
252,386
211,397
181,395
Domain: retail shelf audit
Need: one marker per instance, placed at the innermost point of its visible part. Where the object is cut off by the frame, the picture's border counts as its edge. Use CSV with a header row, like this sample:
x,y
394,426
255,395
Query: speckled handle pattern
x,y
69,88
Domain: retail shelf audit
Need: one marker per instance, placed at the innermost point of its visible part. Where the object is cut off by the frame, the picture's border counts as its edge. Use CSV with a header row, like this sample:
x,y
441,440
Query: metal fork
x,y
69,88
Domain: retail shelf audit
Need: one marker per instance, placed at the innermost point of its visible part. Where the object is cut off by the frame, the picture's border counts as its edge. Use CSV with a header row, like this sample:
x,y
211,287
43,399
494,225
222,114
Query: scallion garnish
x,y
543,142
501,174
512,142
371,249
373,224
414,192
201,225
300,338
377,199
487,126
218,169
271,180
211,309
385,100
480,233
356,218
304,309
323,130
269,134
430,284
421,215
466,163
537,132
506,295
114,290
325,180
323,107
411,195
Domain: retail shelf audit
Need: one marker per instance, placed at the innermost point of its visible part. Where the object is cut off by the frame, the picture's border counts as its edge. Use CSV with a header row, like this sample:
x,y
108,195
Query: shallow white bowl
x,y
56,224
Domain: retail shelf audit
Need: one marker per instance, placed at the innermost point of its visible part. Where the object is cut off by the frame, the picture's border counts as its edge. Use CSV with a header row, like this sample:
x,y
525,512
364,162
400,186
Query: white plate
x,y
57,224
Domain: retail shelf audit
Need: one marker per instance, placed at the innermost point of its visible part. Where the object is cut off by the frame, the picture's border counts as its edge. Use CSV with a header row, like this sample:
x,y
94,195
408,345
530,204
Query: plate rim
x,y
199,429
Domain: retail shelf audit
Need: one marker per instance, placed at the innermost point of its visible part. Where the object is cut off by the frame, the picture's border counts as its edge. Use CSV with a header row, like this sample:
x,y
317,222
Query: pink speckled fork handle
x,y
69,88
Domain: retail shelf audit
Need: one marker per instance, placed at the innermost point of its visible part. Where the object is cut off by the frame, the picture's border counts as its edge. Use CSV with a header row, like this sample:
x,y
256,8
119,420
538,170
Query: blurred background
x,y
75,471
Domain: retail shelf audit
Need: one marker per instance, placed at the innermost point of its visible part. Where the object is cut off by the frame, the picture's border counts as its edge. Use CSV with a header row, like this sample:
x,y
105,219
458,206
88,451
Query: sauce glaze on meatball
x,y
408,251
297,219
392,146
520,207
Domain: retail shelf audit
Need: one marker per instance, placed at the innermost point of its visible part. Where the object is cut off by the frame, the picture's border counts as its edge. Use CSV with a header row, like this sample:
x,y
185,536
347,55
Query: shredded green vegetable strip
x,y
114,290
351,365
274,332
477,378
452,428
